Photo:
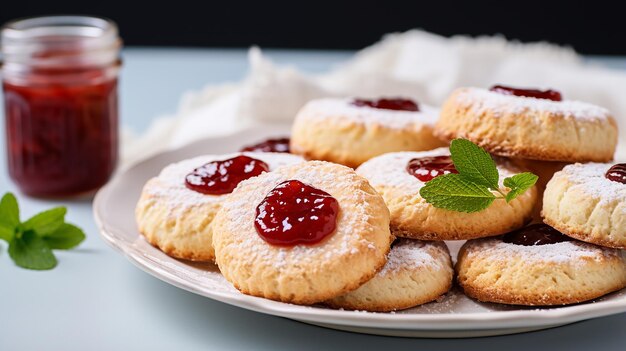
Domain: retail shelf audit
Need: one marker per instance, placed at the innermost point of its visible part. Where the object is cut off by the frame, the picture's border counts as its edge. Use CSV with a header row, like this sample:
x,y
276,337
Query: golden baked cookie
x,y
581,202
339,131
416,272
526,127
177,219
302,273
413,217
559,273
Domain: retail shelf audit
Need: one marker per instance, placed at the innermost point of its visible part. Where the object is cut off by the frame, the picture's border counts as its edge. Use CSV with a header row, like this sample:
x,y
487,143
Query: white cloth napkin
x,y
415,64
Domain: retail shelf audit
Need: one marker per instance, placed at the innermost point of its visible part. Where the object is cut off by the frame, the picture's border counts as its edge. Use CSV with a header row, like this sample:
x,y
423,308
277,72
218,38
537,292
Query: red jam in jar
x,y
396,104
534,93
61,108
296,213
427,168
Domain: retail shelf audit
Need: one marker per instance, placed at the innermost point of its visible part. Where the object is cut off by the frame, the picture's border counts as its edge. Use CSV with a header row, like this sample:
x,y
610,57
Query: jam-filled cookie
x,y
538,266
351,131
529,124
399,176
302,234
177,207
588,202
416,272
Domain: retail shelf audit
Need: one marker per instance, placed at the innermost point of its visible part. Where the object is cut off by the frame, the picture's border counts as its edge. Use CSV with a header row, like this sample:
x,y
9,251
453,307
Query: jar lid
x,y
53,41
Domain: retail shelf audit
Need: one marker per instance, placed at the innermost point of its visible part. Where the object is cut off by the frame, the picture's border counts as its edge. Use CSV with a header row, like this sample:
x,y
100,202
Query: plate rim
x,y
443,321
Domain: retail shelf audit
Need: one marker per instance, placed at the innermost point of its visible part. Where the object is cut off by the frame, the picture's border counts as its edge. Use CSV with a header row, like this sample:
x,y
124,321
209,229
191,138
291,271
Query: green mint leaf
x,y
474,163
9,216
518,184
456,193
65,237
46,222
31,251
6,234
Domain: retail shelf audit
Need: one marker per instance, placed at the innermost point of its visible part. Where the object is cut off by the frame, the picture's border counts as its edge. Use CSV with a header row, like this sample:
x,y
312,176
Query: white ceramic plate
x,y
454,316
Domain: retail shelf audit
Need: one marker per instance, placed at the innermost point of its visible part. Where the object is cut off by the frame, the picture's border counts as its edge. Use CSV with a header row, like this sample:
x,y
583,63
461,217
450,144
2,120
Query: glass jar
x,y
60,76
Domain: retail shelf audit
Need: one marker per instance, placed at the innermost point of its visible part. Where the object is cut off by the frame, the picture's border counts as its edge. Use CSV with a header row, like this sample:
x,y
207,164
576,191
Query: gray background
x,y
96,300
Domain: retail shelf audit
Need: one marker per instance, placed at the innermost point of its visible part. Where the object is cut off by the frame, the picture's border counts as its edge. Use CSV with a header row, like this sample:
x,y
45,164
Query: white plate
x,y
455,316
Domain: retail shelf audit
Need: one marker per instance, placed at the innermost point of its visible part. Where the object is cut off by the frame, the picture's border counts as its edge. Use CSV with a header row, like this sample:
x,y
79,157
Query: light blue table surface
x,y
96,300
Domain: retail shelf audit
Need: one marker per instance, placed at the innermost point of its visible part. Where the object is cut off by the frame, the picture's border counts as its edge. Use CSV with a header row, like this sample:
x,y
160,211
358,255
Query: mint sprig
x,y
31,242
518,184
453,191
474,163
476,186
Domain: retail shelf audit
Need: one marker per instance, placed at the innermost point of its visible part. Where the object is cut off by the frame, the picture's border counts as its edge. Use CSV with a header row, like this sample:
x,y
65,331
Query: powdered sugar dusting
x,y
407,253
169,186
389,170
343,109
482,100
572,252
352,222
589,178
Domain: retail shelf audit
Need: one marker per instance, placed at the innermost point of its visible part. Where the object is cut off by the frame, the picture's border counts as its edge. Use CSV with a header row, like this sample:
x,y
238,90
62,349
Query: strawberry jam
x,y
534,93
269,145
222,177
535,234
296,213
617,173
59,75
388,104
427,168
61,140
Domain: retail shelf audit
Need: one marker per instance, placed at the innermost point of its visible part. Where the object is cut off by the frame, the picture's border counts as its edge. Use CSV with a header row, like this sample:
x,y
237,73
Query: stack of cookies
x,y
344,224
575,255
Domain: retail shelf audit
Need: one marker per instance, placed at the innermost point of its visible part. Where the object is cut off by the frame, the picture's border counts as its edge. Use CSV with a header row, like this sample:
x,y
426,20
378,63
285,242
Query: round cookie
x,y
416,272
177,219
339,131
413,217
582,203
304,273
491,270
531,128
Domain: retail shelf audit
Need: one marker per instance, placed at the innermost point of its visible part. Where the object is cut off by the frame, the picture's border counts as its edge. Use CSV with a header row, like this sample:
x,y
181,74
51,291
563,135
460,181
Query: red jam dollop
x,y
396,104
534,93
428,168
617,173
222,177
296,213
535,234
269,145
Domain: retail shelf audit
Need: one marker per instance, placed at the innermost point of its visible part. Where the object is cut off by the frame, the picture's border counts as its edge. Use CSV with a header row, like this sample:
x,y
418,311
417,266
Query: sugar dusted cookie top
x,y
567,252
481,100
416,272
170,183
302,273
345,109
390,170
561,273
